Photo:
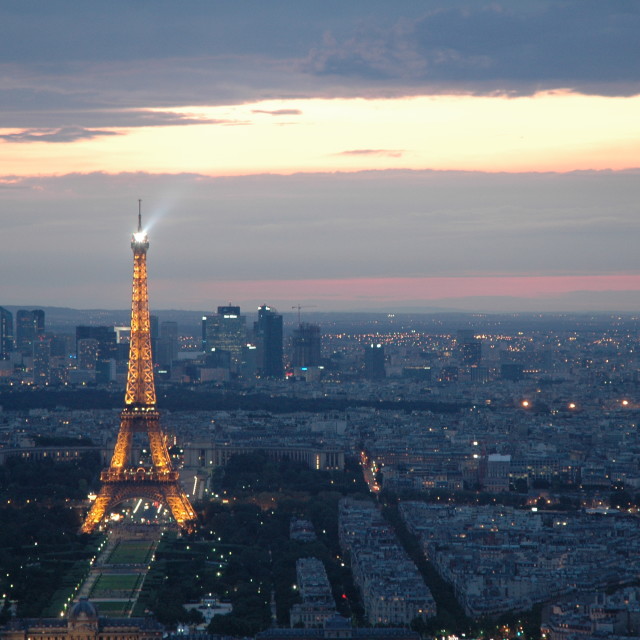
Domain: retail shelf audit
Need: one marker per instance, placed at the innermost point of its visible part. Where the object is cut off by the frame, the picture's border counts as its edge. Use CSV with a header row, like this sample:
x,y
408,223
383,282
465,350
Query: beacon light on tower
x,y
139,239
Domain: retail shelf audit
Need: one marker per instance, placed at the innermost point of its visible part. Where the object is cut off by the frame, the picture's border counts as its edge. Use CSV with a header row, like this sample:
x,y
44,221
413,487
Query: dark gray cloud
x,y
363,225
70,118
279,112
72,56
64,134
497,47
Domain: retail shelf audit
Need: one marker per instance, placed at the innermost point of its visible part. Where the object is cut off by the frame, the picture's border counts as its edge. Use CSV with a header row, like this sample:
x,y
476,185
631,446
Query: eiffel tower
x,y
121,481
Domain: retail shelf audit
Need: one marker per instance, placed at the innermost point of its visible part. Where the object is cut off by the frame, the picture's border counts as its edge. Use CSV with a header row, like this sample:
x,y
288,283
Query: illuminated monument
x,y
122,481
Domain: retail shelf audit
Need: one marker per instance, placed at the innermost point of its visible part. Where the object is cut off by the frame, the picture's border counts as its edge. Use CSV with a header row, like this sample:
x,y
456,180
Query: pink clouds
x,y
392,290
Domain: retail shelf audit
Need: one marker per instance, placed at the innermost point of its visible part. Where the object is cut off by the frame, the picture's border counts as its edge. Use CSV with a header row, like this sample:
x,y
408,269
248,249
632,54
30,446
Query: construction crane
x,y
304,306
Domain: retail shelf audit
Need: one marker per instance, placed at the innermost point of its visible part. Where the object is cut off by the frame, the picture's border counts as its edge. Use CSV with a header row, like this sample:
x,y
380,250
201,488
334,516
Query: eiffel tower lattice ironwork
x,y
122,481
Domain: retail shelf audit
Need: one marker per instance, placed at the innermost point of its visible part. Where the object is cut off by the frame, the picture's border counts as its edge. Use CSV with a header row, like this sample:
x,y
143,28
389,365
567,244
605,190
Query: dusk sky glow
x,y
409,155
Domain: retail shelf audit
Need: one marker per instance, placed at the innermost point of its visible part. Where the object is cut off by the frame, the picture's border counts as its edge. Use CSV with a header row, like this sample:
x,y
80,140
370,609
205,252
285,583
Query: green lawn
x,y
131,552
107,582
112,608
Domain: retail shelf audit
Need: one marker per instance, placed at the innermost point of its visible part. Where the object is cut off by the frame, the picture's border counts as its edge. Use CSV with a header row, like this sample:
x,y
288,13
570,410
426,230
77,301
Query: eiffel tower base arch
x,y
113,493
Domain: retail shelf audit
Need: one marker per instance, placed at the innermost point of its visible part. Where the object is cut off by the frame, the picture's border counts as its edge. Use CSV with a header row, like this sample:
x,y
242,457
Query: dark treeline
x,y
41,554
185,399
47,481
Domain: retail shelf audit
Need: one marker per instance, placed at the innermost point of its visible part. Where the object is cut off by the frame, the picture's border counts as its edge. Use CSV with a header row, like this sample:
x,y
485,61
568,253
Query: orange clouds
x,y
555,131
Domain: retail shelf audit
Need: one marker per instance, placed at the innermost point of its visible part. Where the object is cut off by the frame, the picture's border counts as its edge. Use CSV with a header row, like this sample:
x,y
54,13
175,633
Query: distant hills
x,y
65,320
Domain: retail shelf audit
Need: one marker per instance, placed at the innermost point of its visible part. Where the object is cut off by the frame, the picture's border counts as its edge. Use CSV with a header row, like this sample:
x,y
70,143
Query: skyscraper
x,y
29,325
87,353
105,337
155,334
155,327
167,345
225,331
6,333
374,362
268,335
469,347
306,345
41,360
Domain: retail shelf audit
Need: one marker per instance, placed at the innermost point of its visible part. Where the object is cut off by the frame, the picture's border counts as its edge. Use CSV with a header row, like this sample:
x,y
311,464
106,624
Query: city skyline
x,y
420,156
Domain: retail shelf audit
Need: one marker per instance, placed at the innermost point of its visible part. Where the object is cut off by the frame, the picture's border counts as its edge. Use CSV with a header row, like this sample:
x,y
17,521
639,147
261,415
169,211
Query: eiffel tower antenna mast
x,y
121,480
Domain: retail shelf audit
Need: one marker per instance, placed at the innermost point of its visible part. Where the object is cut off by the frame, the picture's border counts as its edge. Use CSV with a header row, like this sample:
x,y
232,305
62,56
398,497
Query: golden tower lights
x,y
121,481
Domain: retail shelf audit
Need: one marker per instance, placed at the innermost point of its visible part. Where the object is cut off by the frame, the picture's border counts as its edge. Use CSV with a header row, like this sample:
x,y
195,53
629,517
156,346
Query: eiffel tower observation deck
x,y
123,481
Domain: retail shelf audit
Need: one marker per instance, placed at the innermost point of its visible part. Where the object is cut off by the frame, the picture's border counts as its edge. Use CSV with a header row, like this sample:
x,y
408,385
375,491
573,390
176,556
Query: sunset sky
x,y
413,155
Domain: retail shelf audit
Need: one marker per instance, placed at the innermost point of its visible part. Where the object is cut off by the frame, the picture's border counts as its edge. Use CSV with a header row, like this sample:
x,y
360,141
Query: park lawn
x,y
131,552
107,582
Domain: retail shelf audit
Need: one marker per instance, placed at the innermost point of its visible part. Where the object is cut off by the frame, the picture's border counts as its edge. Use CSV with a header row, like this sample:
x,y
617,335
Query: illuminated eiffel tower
x,y
122,481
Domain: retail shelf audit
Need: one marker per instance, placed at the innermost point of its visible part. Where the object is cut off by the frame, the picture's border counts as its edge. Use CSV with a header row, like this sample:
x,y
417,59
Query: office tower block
x,y
225,331
168,342
29,325
169,330
6,333
268,335
63,345
38,321
218,359
106,343
469,347
105,371
87,350
123,336
155,334
163,354
374,362
306,345
511,371
41,360
165,348
155,327
249,364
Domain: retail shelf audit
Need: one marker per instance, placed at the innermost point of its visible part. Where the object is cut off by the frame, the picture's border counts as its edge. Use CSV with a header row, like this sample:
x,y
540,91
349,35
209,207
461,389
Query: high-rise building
x,y
41,360
155,327
374,361
167,344
105,371
155,334
225,331
29,325
63,345
6,333
511,371
87,350
268,335
38,321
306,345
469,347
106,344
249,364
